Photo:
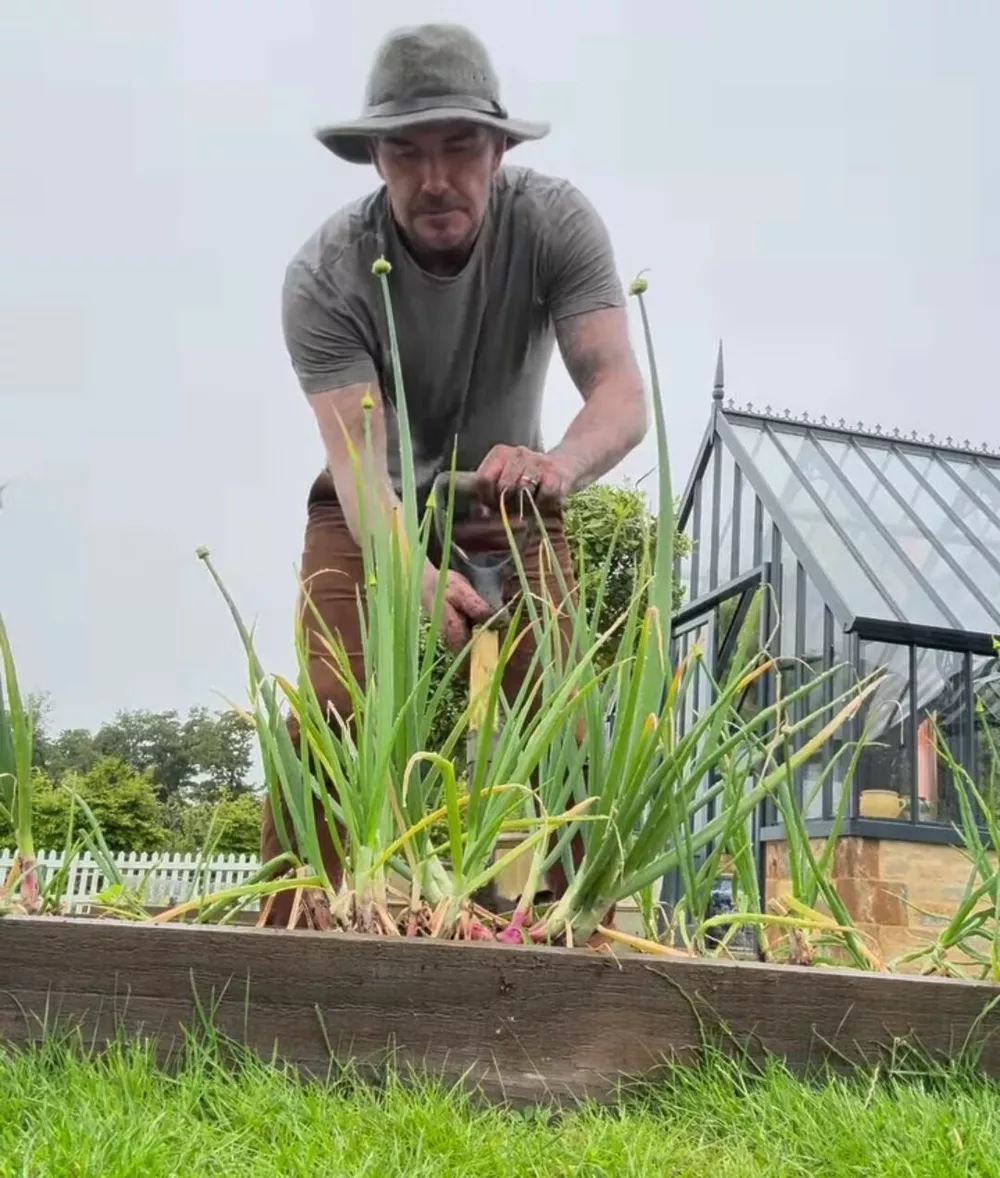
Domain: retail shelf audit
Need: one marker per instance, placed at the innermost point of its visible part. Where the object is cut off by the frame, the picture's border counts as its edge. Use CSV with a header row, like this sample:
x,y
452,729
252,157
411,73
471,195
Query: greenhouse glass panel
x,y
961,534
788,606
983,482
748,507
875,547
724,548
986,686
886,722
821,533
701,534
928,570
812,661
960,498
944,733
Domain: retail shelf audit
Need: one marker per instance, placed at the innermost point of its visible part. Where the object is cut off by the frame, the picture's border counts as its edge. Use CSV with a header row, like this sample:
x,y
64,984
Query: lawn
x,y
63,1115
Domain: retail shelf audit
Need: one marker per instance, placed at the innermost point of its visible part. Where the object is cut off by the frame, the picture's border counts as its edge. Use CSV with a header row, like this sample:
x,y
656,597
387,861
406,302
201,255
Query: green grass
x,y
63,1115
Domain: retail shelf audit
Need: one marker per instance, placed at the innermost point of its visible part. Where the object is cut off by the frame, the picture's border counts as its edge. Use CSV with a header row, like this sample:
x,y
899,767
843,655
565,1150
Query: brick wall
x,y
900,895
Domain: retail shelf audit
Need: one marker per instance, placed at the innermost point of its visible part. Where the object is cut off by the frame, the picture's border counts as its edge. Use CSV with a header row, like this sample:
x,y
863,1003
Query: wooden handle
x,y
483,659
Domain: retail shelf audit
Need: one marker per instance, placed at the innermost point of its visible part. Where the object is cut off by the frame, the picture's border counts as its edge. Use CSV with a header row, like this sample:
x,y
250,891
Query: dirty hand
x,y
461,609
516,468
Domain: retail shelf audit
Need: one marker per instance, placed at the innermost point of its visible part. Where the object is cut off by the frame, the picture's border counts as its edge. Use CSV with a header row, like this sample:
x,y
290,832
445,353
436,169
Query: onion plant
x,y
973,931
591,748
391,792
642,764
813,921
16,760
651,779
602,746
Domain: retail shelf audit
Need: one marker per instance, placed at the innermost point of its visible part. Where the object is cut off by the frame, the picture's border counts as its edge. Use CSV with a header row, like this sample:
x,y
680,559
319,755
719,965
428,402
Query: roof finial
x,y
719,389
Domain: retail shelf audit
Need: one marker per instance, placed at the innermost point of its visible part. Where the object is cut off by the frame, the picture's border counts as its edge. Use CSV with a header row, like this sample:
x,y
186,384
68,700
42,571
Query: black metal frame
x,y
721,443
887,829
704,611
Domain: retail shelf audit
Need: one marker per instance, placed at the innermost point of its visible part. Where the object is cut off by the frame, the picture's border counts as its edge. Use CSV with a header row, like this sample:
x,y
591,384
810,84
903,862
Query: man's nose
x,y
433,175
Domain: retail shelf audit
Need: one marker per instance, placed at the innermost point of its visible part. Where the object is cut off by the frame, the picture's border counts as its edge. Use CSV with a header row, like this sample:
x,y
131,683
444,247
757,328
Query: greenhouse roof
x,y
904,530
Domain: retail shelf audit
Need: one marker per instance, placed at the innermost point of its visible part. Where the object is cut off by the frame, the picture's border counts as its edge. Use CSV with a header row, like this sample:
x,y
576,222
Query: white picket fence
x,y
161,880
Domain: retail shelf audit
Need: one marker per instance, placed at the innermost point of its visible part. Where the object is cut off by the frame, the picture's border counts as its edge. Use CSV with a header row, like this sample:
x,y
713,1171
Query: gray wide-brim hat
x,y
430,73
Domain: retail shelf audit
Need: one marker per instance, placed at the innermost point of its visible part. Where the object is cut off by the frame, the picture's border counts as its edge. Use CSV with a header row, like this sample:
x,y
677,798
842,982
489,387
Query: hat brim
x,y
350,140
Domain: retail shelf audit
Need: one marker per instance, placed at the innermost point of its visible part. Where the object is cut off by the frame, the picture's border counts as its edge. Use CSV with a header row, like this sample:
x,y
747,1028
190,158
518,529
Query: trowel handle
x,y
466,486
466,482
483,659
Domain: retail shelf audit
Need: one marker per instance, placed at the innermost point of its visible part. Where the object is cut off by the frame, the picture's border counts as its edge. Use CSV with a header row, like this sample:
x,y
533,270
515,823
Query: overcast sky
x,y
811,181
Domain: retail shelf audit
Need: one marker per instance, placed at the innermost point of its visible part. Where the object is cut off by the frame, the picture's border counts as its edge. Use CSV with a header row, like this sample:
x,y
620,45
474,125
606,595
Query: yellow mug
x,y
882,803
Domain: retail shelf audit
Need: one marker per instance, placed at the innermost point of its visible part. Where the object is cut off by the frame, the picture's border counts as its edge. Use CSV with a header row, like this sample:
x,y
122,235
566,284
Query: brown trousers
x,y
332,568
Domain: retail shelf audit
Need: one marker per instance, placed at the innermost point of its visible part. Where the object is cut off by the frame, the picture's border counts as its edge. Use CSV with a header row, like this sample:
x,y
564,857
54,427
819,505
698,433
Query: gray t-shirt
x,y
474,348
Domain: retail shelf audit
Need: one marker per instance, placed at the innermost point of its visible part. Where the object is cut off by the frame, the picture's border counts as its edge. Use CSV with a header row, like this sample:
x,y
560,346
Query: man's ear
x,y
500,145
373,154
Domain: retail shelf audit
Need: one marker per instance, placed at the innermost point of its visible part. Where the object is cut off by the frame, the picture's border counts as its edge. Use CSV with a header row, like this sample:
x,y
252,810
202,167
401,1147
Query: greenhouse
x,y
876,549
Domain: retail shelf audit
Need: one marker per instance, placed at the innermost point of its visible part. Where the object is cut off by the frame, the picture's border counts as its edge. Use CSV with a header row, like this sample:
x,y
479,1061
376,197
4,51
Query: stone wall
x,y
900,895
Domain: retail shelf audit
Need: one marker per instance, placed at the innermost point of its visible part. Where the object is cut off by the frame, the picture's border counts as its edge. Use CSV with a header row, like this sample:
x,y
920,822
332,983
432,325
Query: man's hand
x,y
461,609
516,468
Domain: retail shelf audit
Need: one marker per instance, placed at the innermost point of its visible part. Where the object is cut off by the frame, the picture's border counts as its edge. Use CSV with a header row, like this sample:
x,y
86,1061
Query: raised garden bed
x,y
525,1024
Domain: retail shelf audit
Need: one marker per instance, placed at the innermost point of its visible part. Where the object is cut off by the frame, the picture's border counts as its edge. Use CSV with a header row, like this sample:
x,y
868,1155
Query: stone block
x,y
873,901
913,862
895,941
777,889
776,860
931,916
856,858
902,893
929,893
895,861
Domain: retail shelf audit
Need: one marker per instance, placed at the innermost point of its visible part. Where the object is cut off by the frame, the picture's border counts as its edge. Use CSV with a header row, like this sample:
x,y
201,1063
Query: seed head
x,y
381,266
368,402
639,286
201,553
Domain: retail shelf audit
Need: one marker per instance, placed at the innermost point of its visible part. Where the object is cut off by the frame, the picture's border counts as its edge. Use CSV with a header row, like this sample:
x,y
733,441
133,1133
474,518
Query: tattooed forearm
x,y
593,345
598,355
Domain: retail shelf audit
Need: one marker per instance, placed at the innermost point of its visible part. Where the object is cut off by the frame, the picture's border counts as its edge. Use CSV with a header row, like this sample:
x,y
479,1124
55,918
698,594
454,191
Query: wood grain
x,y
483,660
528,1024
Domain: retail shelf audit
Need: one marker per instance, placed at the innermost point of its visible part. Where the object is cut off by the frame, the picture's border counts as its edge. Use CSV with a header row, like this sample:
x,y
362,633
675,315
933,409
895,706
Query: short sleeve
x,y
325,341
581,274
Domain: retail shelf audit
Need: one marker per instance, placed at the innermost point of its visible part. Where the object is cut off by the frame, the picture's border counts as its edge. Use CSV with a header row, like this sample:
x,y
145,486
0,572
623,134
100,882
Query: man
x,y
491,266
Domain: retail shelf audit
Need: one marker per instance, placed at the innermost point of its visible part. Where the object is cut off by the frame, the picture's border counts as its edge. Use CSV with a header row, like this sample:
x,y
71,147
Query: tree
x,y
230,826
199,758
72,751
150,742
220,749
38,705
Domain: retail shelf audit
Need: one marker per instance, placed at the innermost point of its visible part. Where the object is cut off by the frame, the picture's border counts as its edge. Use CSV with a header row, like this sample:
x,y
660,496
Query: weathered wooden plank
x,y
530,1023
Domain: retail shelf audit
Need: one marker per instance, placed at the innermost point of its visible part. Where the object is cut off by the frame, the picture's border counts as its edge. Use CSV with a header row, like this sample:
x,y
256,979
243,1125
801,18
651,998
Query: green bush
x,y
123,802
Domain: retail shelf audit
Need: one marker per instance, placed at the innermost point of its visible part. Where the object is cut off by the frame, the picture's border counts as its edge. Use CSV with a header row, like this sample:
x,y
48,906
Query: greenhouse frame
x,y
876,549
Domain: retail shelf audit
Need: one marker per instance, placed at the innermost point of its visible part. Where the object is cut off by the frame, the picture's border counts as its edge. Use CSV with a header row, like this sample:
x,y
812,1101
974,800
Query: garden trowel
x,y
487,573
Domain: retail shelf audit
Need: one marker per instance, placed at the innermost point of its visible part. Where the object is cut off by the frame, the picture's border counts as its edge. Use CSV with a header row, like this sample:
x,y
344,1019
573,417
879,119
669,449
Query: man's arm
x,y
334,361
340,415
598,355
588,306
586,300
337,373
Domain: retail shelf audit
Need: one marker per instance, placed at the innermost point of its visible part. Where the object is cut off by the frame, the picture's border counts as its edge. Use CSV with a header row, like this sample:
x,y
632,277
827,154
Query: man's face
x,y
438,180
